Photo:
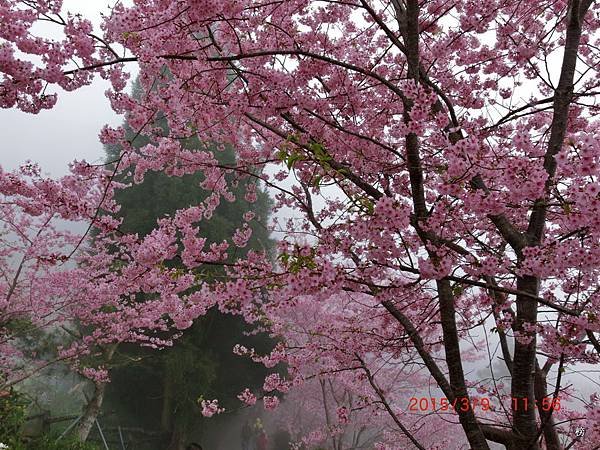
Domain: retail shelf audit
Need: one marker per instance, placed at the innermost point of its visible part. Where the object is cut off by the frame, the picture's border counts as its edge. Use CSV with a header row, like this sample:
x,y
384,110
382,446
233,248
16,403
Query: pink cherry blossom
x,y
434,168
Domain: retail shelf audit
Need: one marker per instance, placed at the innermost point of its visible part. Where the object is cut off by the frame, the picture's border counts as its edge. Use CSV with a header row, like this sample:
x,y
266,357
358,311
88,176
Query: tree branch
x,y
386,405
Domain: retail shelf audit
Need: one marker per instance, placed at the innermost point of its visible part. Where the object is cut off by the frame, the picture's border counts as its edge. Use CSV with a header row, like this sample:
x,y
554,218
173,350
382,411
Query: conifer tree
x,y
162,389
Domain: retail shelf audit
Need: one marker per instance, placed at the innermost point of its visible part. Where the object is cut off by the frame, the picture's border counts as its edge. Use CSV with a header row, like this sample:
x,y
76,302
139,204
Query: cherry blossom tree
x,y
52,278
440,160
351,380
33,245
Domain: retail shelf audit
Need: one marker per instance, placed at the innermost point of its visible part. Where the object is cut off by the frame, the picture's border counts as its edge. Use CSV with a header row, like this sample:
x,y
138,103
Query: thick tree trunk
x,y
522,387
178,433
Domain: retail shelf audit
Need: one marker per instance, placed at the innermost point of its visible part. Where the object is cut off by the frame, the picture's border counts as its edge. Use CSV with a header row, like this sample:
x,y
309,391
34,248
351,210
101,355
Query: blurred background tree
x,y
160,390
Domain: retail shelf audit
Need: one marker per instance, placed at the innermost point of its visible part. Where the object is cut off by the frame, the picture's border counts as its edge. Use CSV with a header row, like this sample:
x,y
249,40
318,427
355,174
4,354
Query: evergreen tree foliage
x,y
161,389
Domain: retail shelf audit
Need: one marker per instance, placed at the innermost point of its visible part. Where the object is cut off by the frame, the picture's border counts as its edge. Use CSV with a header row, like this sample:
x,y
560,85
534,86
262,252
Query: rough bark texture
x,y
522,387
178,439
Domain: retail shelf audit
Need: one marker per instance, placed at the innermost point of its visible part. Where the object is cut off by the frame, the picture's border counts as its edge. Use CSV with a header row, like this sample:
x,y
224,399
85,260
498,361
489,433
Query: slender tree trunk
x,y
94,405
166,418
467,418
327,415
541,391
523,377
91,412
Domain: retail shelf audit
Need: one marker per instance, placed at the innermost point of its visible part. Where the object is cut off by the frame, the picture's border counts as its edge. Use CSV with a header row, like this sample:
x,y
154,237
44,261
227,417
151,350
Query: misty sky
x,y
69,131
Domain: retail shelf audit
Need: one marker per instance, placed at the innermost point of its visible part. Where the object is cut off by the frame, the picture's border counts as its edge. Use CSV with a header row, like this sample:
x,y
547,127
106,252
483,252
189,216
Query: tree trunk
x,y
94,405
91,412
178,438
166,417
466,418
169,423
548,422
522,387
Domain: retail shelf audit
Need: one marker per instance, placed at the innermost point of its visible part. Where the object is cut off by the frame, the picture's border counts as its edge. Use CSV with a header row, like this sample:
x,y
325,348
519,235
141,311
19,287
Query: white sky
x,y
69,131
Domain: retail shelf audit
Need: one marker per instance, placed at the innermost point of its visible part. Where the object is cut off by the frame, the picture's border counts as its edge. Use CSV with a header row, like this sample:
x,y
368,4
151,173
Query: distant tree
x,y
161,390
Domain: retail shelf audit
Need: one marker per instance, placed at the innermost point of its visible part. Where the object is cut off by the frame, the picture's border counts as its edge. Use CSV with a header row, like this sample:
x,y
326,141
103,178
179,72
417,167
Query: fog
x,y
53,138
